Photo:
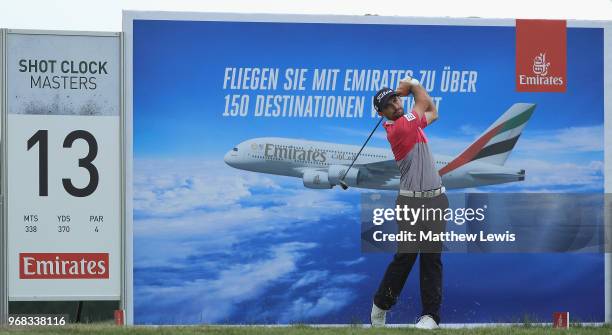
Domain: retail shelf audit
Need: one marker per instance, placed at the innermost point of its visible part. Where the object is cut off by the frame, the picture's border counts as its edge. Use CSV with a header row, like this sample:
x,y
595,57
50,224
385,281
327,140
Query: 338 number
x,y
41,138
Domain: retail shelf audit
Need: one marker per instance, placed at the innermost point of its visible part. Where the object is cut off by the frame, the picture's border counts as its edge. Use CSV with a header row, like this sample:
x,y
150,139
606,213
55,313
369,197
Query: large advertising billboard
x,y
243,126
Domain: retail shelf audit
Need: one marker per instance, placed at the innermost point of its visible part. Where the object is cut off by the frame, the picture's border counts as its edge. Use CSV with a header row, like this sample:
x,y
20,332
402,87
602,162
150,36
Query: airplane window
x,y
235,149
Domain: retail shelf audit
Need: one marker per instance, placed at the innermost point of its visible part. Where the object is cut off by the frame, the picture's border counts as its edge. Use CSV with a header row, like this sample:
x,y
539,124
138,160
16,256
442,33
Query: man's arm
x,y
423,104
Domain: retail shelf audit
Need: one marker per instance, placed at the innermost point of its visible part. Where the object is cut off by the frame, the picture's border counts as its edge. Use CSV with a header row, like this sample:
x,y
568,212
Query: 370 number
x,y
41,138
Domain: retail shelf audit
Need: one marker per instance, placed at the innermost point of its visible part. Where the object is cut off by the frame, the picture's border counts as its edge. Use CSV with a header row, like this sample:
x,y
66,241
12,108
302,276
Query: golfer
x,y
420,187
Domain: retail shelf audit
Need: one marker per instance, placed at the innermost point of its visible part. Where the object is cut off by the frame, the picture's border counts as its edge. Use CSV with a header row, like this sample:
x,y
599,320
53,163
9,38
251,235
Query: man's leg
x,y
431,284
397,272
430,264
394,279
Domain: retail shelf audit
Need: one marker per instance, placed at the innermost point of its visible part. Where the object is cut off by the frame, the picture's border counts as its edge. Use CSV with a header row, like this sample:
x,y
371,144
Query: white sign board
x,y
63,166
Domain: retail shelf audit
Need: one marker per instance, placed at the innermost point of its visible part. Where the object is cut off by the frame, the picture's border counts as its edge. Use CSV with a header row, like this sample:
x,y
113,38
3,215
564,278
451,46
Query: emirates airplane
x,y
320,165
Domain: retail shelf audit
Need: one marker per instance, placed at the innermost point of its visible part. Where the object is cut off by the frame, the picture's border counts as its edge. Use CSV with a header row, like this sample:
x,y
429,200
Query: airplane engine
x,y
316,179
337,171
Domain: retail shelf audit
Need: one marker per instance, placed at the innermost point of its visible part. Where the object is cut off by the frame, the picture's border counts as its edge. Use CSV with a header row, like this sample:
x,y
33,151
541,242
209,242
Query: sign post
x,y
3,235
62,165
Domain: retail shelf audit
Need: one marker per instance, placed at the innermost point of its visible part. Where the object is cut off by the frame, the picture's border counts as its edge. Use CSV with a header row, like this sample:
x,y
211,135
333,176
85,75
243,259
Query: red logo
x,y
63,266
541,56
561,320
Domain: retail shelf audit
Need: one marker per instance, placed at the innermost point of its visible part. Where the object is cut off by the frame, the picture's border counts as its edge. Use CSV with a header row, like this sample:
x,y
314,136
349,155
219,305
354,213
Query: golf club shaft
x,y
360,150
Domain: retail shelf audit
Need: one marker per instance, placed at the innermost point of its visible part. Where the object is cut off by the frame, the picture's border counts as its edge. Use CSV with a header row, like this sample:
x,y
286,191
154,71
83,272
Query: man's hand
x,y
403,90
405,86
423,105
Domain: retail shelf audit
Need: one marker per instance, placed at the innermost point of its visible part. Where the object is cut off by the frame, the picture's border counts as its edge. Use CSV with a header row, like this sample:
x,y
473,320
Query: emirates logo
x,y
63,266
541,56
540,65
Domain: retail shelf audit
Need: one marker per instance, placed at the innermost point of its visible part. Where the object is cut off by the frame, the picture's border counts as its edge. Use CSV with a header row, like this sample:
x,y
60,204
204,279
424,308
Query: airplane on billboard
x,y
321,165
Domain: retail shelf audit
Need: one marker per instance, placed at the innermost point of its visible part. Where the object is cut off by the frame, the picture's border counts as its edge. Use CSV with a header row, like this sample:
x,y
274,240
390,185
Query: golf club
x,y
342,183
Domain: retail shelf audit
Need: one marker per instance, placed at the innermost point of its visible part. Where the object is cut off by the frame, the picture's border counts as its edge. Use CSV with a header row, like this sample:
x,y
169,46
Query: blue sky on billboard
x,y
216,244
562,131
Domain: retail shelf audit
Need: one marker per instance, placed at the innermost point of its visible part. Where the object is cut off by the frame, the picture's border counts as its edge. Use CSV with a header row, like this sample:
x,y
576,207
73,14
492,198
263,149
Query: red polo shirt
x,y
405,132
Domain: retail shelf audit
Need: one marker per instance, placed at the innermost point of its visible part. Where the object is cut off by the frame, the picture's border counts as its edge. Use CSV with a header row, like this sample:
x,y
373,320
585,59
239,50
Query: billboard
x,y
243,124
62,159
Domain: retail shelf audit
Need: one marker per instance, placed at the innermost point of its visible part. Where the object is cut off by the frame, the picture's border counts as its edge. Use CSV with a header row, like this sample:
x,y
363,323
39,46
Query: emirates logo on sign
x,y
541,53
63,266
540,65
541,77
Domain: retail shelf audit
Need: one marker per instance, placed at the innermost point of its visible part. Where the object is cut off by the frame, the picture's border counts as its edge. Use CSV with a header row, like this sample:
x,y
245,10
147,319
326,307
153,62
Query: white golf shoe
x,y
426,322
378,316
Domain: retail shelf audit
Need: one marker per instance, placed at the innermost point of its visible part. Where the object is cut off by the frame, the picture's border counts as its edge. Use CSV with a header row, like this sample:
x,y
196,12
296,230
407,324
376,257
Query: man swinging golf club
x,y
420,187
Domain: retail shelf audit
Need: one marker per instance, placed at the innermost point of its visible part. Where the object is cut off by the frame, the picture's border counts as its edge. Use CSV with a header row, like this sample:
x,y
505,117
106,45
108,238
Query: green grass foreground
x,y
298,330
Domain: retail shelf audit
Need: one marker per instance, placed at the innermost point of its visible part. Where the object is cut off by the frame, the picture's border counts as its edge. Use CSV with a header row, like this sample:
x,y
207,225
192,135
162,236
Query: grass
x,y
298,330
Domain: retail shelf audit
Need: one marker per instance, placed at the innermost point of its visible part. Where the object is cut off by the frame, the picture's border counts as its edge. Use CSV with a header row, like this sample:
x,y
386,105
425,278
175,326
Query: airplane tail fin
x,y
495,144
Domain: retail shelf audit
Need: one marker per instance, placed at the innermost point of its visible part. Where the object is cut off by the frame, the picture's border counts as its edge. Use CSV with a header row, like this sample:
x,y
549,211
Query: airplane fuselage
x,y
294,157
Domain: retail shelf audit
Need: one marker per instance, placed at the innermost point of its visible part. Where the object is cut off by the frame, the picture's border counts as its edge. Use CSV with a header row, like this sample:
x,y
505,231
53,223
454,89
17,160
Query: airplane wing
x,y
519,175
302,169
382,171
